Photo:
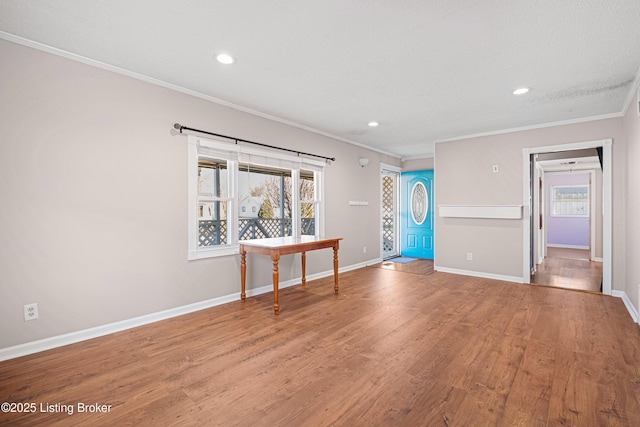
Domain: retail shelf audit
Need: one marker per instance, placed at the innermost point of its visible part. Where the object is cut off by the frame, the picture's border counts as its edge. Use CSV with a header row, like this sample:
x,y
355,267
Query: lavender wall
x,y
563,231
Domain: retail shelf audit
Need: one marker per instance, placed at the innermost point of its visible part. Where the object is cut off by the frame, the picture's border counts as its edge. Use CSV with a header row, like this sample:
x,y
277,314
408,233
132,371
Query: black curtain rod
x,y
180,128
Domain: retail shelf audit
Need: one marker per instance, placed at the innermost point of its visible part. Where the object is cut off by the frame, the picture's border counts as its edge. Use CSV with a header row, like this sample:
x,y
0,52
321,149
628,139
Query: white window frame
x,y
552,207
318,206
235,154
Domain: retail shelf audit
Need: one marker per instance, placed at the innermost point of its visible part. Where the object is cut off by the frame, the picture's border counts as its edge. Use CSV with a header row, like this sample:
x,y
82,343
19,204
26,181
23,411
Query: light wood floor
x,y
392,349
569,269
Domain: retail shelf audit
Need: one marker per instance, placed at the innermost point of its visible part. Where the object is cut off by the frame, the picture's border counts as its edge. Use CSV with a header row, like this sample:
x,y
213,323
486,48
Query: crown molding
x,y
102,65
533,127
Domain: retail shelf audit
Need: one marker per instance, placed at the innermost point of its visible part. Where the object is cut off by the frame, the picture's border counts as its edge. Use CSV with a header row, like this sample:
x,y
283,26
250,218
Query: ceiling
x,y
426,70
570,164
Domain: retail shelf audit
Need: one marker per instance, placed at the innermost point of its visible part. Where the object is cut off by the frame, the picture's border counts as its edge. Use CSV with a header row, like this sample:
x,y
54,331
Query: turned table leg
x,y
335,268
275,256
243,272
304,268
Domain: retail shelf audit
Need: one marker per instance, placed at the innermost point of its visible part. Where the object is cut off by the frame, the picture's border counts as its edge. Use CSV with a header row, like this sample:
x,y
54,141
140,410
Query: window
x,y
309,203
570,201
238,193
213,200
266,200
419,203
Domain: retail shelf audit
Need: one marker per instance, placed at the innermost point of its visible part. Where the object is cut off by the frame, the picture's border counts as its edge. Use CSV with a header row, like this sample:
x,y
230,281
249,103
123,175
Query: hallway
x,y
569,269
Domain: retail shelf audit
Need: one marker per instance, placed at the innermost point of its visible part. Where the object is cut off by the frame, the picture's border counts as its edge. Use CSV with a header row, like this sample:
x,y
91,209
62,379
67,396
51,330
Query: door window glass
x,y
419,203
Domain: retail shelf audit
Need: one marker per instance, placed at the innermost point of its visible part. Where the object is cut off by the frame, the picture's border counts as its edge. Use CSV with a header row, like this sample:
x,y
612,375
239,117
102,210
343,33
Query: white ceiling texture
x,y
426,70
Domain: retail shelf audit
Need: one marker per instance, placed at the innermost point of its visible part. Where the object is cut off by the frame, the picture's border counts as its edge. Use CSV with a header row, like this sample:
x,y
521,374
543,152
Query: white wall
x,y
418,164
464,175
93,215
93,197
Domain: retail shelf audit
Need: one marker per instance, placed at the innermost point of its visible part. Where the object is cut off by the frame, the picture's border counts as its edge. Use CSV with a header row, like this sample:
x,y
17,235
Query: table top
x,y
280,242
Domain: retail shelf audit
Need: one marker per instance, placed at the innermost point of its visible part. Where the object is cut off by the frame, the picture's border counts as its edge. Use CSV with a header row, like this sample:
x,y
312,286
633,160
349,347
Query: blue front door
x,y
417,214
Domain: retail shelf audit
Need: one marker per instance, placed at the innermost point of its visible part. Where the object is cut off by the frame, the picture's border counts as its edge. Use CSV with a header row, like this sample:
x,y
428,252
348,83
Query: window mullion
x,y
215,176
318,195
296,210
232,210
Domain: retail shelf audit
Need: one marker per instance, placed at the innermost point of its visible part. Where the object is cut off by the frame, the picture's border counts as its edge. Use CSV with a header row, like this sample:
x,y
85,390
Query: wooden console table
x,y
277,246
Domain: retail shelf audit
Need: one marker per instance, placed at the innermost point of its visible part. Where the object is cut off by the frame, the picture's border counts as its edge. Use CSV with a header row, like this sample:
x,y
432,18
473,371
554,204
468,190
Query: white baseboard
x,y
374,261
479,274
597,259
619,294
627,303
98,331
552,245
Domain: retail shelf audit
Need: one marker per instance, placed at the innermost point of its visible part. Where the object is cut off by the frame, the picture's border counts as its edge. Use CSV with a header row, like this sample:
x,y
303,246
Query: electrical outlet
x,y
30,312
364,249
469,256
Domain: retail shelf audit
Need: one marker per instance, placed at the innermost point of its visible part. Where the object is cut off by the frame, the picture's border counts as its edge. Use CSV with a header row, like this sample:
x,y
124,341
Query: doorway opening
x,y
568,235
390,211
535,232
416,201
569,269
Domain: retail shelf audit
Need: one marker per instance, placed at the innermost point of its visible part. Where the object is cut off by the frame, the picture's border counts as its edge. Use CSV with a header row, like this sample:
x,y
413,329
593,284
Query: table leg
x,y
275,256
335,268
243,272
304,268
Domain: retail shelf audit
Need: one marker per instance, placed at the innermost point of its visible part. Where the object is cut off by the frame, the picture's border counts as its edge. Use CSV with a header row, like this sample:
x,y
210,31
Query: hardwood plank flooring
x,y
419,266
569,253
393,348
569,269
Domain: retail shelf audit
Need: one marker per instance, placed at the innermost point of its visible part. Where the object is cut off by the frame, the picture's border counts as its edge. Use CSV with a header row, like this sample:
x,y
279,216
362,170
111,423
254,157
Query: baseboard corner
x,y
627,303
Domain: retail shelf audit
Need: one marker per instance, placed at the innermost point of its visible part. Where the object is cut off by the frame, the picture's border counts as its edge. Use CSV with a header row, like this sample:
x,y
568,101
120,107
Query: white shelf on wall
x,y
481,211
358,203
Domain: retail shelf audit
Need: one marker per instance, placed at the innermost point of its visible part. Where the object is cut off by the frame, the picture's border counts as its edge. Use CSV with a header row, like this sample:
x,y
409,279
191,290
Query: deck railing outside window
x,y
214,232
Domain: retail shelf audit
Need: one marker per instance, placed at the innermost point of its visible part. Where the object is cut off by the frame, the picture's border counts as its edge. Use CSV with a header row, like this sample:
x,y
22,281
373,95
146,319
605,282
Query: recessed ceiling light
x,y
225,58
373,124
521,91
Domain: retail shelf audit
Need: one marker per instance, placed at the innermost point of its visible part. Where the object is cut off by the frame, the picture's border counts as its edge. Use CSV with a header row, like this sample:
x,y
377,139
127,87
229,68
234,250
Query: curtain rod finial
x,y
178,126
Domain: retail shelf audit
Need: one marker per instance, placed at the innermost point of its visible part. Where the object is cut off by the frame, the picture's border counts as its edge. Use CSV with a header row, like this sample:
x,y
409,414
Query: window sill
x,y
213,252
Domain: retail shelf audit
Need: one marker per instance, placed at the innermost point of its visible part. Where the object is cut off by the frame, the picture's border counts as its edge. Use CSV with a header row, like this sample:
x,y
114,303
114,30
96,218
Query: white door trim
x,y
606,145
394,171
592,215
